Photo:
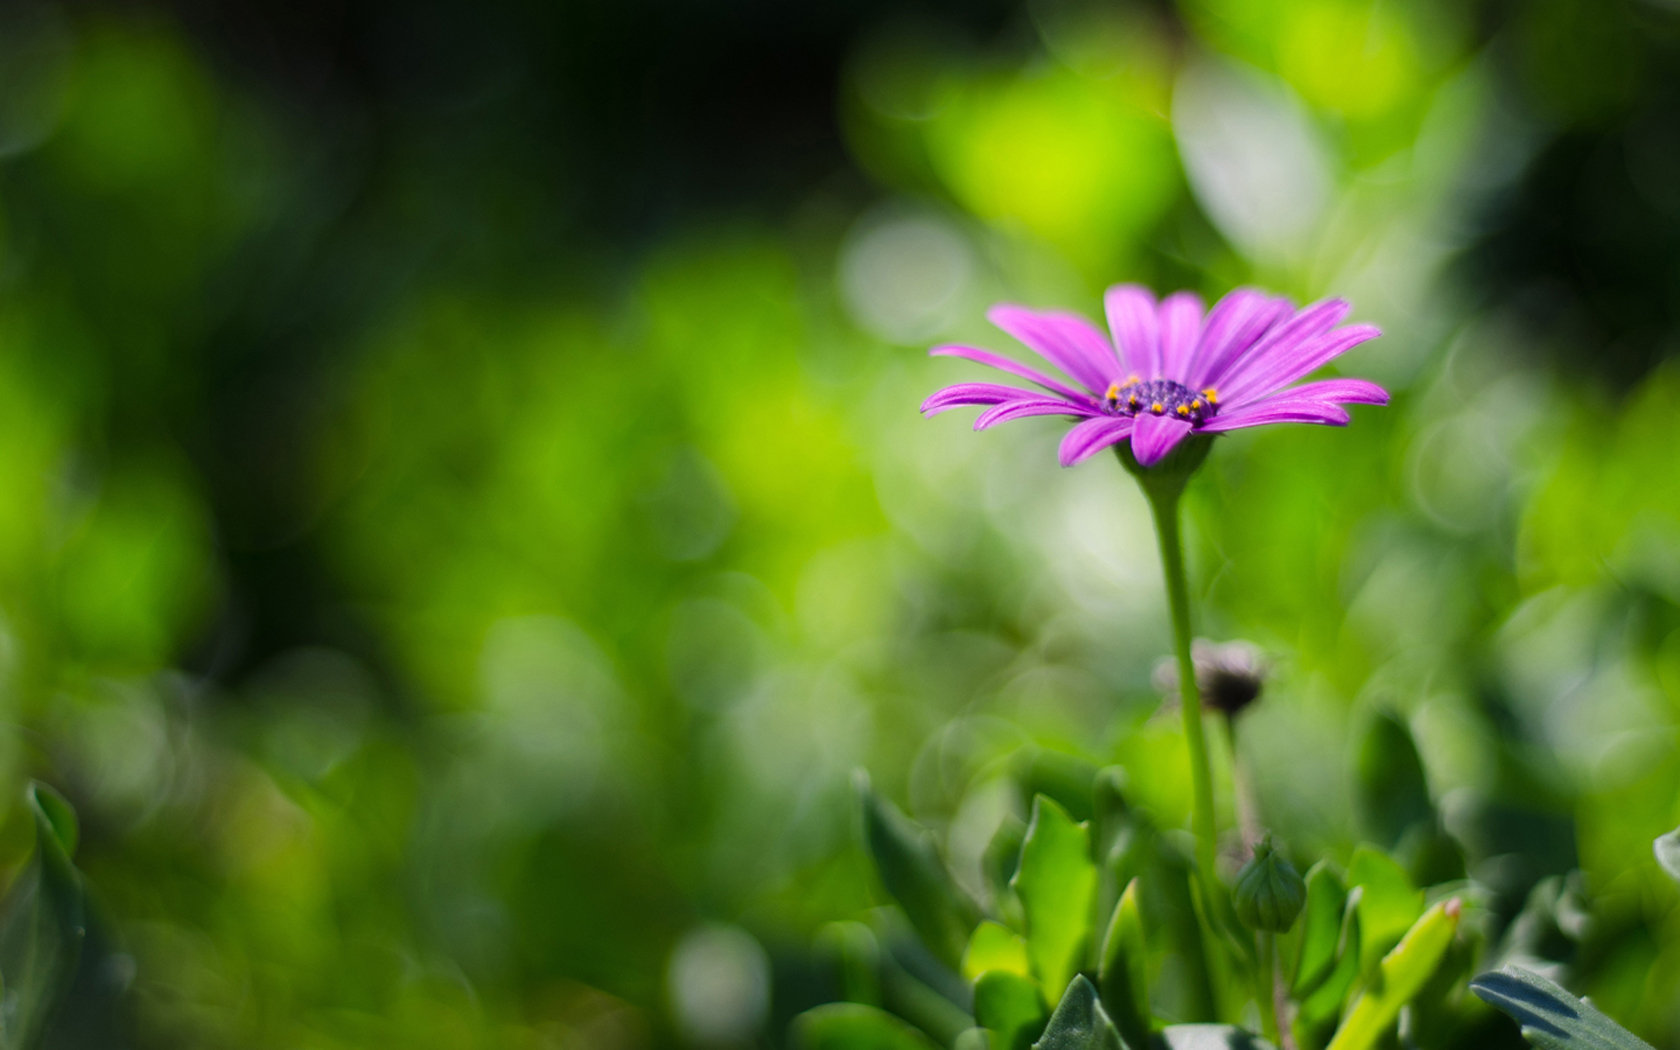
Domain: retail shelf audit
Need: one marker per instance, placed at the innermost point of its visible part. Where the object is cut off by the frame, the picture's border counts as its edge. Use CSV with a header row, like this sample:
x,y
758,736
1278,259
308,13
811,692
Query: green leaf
x,y
1120,860
1430,855
910,869
1111,810
974,1039
1055,883
1079,1022
853,1026
995,947
1228,946
856,957
1111,824
1173,924
42,925
999,864
1391,791
1123,970
1211,1037
1388,903
1403,973
1011,1006
934,1000
1315,1020
1321,928
1667,849
55,811
1550,1017
1068,779
1443,1012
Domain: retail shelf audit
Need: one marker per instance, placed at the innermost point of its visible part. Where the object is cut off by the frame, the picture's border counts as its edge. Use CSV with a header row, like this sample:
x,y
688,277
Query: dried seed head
x,y
1229,676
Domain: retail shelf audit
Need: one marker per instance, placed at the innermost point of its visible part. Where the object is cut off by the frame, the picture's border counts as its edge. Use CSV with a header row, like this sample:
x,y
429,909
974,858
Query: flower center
x,y
1161,397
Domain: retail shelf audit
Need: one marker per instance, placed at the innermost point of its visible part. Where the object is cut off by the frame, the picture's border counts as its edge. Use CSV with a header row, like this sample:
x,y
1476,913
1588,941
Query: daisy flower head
x,y
1170,370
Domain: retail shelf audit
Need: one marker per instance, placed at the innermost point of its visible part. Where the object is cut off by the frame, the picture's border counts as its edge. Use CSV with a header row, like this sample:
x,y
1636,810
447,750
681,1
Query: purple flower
x,y
1170,370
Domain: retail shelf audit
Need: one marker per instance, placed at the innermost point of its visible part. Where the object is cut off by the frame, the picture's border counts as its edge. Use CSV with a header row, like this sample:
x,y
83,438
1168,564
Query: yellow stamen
x,y
1131,380
1196,403
1212,395
1157,408
1113,392
1183,410
1132,402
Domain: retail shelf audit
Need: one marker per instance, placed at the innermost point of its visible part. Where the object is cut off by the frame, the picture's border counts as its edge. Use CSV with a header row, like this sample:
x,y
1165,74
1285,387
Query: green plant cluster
x,y
1091,929
1103,922
1552,1018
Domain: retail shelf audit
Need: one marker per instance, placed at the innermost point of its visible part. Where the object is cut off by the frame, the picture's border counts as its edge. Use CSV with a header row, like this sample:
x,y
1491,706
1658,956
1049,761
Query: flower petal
x,y
986,357
1237,321
1155,436
1066,340
1284,368
1092,436
1180,319
1340,391
1038,406
1131,317
1280,343
974,394
1277,410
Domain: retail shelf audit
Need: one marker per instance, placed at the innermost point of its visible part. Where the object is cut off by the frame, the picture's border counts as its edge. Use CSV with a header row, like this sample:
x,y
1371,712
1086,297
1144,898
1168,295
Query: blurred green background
x,y
464,514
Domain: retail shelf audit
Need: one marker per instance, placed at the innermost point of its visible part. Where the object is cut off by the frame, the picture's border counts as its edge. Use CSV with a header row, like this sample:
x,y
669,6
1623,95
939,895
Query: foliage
x,y
1056,963
1551,1018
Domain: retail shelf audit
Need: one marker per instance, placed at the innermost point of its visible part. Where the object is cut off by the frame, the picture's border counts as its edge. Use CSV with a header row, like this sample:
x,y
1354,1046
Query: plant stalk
x,y
1163,502
1248,806
1266,988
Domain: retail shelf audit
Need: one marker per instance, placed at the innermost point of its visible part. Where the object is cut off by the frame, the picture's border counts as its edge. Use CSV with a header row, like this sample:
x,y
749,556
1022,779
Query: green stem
x,y
1266,988
1242,789
1164,503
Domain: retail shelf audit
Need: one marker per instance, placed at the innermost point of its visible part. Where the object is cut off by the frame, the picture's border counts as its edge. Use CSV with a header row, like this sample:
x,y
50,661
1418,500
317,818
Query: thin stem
x,y
1266,987
1285,1015
1164,504
1248,808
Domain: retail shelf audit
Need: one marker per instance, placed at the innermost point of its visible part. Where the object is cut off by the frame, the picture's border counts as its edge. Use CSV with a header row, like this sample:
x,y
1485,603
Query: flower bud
x,y
1270,892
